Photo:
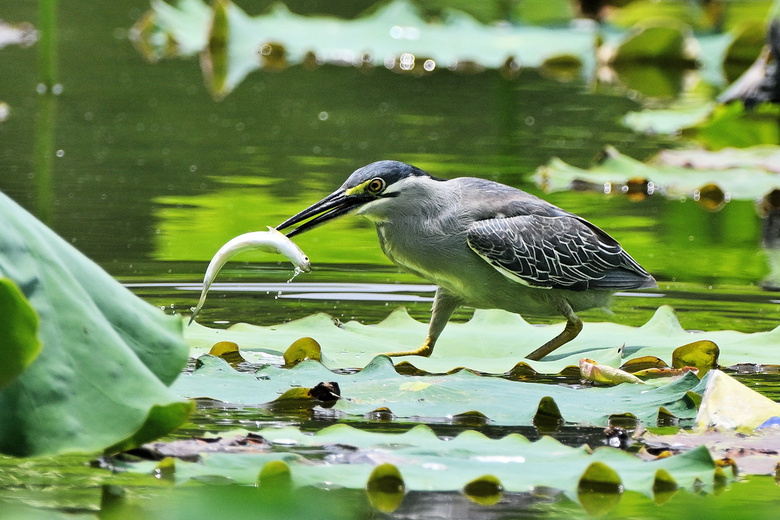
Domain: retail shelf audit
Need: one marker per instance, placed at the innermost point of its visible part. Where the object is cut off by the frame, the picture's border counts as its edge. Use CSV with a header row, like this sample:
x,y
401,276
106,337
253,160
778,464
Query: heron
x,y
484,245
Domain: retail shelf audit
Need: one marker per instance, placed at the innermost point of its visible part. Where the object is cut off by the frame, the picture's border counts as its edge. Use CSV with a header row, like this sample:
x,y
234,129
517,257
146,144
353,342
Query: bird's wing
x,y
554,252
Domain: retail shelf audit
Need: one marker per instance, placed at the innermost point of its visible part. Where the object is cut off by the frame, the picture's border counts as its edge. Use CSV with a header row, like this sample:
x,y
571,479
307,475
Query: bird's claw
x,y
425,350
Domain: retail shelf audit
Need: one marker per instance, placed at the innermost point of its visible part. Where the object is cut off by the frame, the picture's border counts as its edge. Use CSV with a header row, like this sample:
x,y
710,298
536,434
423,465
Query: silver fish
x,y
271,241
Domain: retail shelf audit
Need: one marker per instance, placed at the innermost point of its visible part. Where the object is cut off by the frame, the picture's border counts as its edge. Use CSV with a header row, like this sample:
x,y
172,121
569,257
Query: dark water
x,y
150,176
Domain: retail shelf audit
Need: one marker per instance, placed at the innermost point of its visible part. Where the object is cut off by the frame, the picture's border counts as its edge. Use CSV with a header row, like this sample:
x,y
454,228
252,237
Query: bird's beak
x,y
334,205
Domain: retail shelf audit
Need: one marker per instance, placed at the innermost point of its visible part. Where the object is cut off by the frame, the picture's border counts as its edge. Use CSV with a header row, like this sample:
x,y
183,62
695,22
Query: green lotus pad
x,y
493,341
426,462
449,396
748,182
714,126
100,381
763,157
393,35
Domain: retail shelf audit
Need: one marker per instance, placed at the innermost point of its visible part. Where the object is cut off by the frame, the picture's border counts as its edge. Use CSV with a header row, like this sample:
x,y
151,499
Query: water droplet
x,y
296,272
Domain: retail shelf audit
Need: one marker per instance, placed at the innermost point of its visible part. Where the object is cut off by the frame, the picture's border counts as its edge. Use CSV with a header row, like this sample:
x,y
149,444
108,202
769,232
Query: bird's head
x,y
366,187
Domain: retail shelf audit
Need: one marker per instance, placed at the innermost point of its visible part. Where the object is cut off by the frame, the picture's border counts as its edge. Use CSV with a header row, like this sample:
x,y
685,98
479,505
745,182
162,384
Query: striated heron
x,y
484,244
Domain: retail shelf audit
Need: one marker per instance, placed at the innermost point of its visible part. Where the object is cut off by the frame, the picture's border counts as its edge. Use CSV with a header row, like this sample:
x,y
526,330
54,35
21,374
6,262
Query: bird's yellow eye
x,y
375,185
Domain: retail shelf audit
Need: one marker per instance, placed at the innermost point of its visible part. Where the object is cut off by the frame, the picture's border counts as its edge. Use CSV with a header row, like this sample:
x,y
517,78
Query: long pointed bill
x,y
334,205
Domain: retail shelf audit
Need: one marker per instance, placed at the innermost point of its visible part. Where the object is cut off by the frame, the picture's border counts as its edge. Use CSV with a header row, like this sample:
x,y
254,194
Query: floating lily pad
x,y
396,36
492,341
733,125
656,40
667,121
765,157
418,460
379,386
616,172
756,453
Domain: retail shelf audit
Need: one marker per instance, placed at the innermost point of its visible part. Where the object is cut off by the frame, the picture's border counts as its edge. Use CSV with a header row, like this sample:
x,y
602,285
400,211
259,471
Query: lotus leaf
x,y
394,35
101,379
738,183
754,454
424,462
765,157
492,341
734,126
667,121
378,385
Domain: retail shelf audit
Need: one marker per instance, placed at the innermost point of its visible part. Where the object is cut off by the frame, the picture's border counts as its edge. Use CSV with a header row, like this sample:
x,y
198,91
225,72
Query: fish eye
x,y
375,185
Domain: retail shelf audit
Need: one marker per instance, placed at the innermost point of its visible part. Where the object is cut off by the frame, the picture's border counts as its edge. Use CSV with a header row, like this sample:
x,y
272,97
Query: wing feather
x,y
555,252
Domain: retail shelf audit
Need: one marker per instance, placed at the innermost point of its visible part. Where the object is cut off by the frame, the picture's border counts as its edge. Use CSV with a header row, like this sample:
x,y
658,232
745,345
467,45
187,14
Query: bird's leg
x,y
444,304
573,327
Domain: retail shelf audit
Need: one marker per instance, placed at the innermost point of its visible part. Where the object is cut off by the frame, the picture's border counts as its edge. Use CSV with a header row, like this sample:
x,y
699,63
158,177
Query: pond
x,y
150,176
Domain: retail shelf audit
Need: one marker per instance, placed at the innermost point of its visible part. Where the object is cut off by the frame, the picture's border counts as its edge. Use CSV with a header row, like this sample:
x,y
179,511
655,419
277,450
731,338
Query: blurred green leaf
x,y
733,126
659,40
616,172
101,377
393,35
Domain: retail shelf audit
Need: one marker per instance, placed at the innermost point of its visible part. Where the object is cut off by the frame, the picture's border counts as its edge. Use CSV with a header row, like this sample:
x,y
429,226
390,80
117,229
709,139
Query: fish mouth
x,y
334,205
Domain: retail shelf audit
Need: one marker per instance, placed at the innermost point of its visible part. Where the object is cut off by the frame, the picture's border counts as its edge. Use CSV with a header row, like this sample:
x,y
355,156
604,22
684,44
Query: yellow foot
x,y
426,350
